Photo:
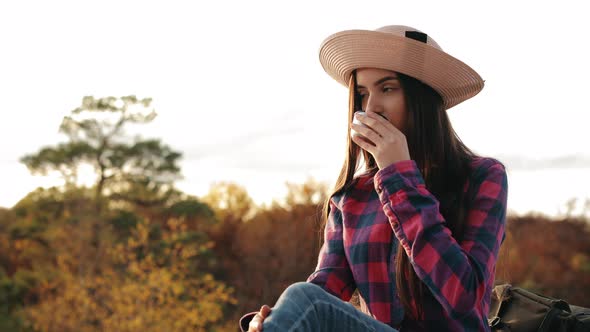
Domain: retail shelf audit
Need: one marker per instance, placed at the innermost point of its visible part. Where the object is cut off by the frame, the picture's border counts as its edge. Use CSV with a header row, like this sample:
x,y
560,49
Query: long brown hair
x,y
441,157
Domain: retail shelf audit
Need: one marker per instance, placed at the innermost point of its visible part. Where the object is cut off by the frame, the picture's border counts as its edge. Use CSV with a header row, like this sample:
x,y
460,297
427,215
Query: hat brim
x,y
345,51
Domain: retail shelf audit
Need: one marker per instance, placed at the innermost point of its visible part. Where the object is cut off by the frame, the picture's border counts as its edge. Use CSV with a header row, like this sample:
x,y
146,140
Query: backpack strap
x,y
549,318
502,293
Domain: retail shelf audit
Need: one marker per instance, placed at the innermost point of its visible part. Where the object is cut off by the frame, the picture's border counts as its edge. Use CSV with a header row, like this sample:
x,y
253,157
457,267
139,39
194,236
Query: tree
x,y
135,170
153,281
130,170
230,201
309,193
262,250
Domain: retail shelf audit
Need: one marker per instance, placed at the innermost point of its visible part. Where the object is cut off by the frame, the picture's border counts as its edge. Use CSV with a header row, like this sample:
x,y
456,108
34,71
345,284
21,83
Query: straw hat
x,y
402,49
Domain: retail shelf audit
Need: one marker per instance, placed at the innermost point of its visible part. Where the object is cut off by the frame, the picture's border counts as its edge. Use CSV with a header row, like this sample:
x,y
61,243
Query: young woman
x,y
416,219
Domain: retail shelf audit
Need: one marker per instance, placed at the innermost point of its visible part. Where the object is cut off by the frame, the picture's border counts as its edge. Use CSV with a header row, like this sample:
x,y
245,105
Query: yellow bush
x,y
135,292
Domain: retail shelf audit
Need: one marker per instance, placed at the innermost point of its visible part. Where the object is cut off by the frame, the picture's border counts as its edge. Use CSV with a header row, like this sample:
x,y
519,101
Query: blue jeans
x,y
304,306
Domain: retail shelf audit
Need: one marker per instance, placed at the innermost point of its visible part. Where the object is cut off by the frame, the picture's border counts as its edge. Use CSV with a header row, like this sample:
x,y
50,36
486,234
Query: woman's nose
x,y
373,105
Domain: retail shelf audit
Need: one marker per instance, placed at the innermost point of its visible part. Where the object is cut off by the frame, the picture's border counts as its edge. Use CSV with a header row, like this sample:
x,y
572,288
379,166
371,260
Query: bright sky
x,y
239,89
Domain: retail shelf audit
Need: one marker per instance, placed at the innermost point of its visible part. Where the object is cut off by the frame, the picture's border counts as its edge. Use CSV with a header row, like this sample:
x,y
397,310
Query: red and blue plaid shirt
x,y
366,223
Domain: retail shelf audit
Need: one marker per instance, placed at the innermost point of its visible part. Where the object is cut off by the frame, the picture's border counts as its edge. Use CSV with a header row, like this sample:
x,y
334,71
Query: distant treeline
x,y
199,264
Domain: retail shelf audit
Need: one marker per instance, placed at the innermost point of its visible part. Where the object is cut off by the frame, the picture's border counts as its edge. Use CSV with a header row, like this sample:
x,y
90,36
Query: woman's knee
x,y
305,290
298,301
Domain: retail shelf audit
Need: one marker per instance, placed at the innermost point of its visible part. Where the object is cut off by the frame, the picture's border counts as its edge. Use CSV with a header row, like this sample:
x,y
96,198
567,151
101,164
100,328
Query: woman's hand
x,y
389,144
256,322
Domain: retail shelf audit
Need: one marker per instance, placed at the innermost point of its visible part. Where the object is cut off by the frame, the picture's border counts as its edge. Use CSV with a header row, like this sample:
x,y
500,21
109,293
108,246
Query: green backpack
x,y
515,309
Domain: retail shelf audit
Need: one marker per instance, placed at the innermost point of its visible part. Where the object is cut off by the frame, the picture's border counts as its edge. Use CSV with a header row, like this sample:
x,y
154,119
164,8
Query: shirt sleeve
x,y
457,274
333,272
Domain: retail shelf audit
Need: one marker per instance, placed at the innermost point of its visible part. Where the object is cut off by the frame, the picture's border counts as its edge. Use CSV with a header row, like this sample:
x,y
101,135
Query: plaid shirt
x,y
367,222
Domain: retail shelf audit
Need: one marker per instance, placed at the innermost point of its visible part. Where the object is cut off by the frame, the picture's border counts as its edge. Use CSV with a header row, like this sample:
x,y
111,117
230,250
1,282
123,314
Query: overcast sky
x,y
239,89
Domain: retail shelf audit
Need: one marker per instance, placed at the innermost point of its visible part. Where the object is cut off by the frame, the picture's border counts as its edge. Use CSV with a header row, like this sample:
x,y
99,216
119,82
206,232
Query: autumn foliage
x,y
548,256
132,253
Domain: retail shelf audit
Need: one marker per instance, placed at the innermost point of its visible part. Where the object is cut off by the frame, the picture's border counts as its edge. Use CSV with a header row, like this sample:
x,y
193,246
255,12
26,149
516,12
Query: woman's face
x,y
381,93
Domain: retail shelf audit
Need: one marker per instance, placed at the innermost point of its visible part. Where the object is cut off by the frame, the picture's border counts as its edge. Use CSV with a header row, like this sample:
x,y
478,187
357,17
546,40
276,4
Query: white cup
x,y
356,121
